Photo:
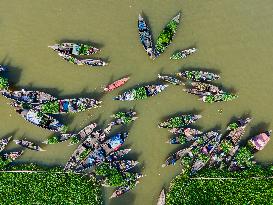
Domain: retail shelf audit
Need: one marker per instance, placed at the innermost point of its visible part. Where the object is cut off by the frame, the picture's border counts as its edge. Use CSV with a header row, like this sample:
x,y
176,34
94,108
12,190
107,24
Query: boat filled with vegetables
x,y
142,92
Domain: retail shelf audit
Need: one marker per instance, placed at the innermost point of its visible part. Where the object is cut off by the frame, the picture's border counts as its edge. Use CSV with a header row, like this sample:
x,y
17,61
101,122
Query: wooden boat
x,y
67,105
92,142
237,129
185,131
145,36
87,131
89,62
219,97
179,121
99,154
202,140
183,54
28,145
198,75
74,49
203,89
29,97
162,198
132,182
4,142
141,92
187,135
114,156
203,156
39,119
124,165
258,142
116,84
166,36
170,79
54,139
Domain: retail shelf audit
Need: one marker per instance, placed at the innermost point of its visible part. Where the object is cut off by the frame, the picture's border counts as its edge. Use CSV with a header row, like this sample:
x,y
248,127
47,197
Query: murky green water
x,y
233,37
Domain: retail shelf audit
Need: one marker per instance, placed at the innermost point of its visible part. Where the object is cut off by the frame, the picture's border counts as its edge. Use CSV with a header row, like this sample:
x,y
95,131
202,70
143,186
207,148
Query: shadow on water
x,y
257,129
13,73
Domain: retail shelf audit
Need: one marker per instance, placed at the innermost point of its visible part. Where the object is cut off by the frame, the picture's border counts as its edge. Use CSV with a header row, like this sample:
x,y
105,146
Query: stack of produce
x,y
102,152
140,93
68,51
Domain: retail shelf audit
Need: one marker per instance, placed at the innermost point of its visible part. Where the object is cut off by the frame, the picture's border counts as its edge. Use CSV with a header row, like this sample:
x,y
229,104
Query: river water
x,y
233,38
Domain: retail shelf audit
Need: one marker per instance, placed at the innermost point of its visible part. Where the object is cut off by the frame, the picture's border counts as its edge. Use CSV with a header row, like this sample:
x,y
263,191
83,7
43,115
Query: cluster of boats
x,y
36,107
210,148
68,51
197,84
97,148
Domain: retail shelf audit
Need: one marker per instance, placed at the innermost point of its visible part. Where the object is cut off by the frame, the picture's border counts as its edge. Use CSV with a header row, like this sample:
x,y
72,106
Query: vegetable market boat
x,y
219,97
87,131
141,92
124,165
179,121
203,89
145,36
162,198
114,156
89,62
170,79
92,142
258,142
39,119
198,75
57,139
98,156
28,145
185,131
187,135
4,142
166,36
29,97
74,49
67,105
202,140
116,84
132,182
183,54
